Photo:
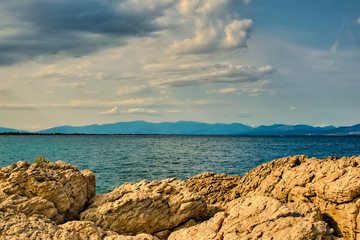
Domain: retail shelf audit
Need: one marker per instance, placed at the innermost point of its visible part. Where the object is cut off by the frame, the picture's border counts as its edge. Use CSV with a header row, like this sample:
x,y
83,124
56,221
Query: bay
x,y
116,159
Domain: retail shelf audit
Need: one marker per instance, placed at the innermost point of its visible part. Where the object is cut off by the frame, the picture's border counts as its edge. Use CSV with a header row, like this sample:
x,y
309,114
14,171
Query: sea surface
x,y
123,158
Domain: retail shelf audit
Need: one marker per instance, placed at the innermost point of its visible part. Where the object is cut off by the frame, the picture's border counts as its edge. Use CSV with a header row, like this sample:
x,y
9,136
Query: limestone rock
x,y
32,206
56,190
268,218
137,237
84,230
205,231
332,184
146,207
216,188
259,218
18,226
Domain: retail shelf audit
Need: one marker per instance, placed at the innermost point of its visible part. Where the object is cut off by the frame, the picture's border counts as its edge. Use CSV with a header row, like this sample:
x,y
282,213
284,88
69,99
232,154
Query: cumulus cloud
x,y
237,32
116,111
212,27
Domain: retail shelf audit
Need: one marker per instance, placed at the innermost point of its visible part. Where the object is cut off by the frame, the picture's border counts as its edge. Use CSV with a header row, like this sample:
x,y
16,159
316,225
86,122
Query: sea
x,y
116,159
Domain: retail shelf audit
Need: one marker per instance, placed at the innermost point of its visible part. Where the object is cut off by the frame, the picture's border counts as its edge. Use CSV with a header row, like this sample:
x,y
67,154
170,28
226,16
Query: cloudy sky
x,y
79,62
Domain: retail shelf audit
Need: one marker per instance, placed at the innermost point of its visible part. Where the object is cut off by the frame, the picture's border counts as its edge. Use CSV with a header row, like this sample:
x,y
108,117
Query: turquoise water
x,y
118,159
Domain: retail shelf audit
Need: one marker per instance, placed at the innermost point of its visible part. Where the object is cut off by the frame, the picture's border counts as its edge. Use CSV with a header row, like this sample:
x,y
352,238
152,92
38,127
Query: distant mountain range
x,y
10,130
197,128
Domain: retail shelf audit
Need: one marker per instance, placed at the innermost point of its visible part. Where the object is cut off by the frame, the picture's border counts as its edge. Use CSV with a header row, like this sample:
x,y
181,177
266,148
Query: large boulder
x,y
146,207
56,190
332,184
259,218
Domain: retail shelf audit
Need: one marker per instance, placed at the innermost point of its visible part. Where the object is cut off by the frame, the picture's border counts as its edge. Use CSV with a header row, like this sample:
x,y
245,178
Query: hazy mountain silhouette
x,y
10,130
199,128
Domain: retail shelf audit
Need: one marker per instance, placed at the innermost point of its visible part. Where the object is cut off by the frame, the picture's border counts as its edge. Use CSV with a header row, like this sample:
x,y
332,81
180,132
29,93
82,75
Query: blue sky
x,y
255,62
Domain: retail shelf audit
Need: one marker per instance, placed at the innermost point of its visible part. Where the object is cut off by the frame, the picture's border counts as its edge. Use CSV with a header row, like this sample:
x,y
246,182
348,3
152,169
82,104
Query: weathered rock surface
x,y
56,190
332,184
18,226
290,198
146,207
259,218
216,188
84,230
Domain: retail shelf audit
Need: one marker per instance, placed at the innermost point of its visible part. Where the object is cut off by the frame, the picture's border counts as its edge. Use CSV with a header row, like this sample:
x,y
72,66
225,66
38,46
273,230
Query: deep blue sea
x,y
119,159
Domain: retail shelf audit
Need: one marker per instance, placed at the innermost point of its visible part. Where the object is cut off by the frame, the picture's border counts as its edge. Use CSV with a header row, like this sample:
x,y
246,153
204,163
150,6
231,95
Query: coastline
x,y
308,197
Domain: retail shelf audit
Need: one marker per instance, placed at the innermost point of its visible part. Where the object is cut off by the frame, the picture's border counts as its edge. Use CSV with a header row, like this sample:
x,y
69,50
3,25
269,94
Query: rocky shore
x,y
289,198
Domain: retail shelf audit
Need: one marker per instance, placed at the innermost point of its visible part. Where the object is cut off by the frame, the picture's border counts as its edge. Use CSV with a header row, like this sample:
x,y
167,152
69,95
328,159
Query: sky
x,y
256,62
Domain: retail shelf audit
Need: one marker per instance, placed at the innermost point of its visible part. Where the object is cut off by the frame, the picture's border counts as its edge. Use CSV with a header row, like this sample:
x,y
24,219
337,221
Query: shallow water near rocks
x,y
118,159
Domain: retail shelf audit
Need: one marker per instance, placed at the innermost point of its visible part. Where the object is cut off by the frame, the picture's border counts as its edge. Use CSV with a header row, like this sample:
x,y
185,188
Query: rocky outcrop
x,y
216,188
18,226
289,198
146,207
259,218
332,184
56,190
84,230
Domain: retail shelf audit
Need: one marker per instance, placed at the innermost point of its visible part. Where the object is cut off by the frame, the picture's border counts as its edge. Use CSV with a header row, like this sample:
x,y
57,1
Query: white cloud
x,y
100,104
358,21
249,88
116,111
173,111
217,73
69,68
324,125
237,32
112,111
130,89
245,90
292,108
213,27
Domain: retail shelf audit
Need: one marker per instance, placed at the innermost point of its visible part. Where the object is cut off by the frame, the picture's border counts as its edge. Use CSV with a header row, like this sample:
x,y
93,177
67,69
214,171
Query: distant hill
x,y
353,130
198,128
10,130
282,129
141,127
